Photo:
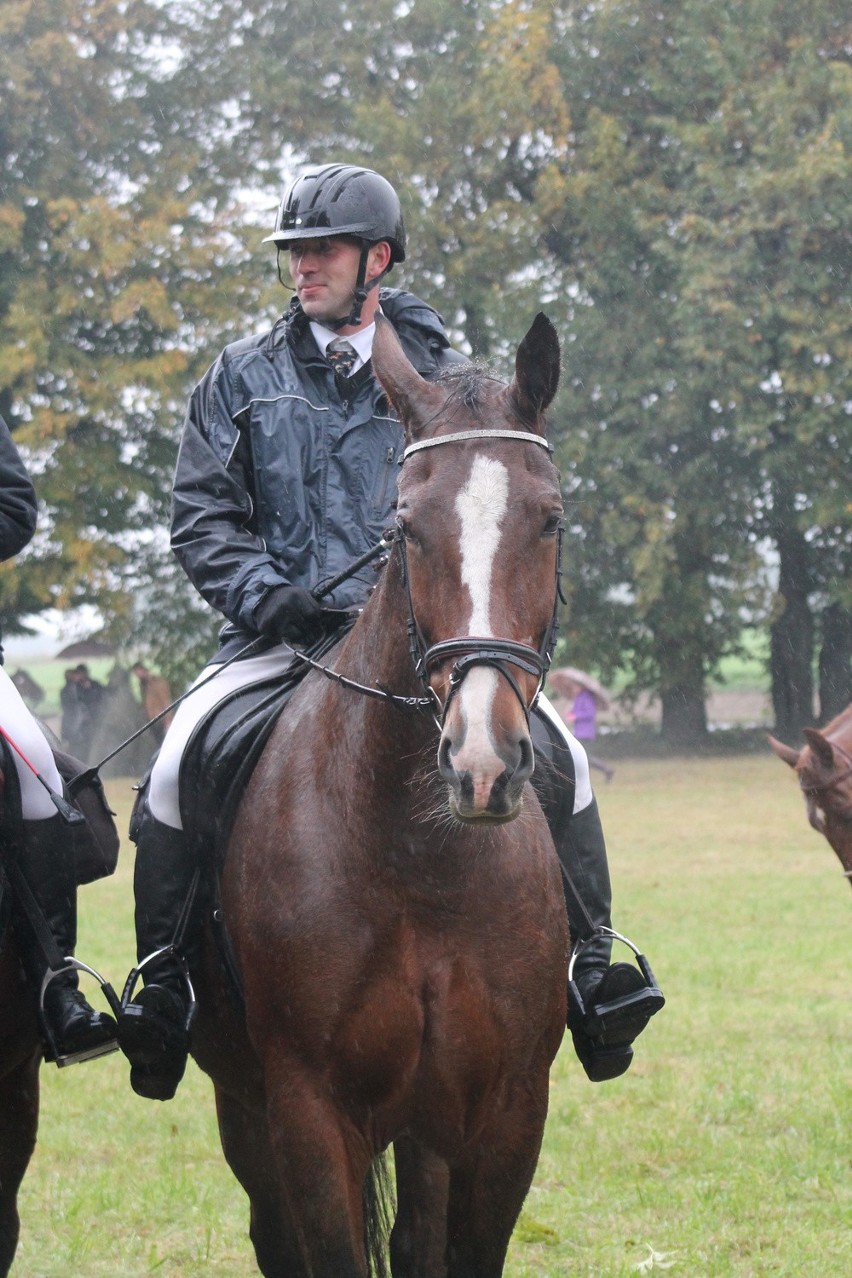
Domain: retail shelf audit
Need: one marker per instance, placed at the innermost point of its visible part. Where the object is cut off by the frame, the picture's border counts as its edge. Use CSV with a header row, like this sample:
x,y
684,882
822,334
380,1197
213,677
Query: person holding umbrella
x,y
584,695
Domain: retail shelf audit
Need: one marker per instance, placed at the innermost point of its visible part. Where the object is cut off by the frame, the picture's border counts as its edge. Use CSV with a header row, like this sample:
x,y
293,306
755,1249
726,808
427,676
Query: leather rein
x,y
468,650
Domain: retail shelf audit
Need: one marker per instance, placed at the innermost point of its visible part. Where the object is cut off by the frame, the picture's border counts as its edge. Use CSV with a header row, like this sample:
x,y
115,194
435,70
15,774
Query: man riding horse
x,y
286,474
40,845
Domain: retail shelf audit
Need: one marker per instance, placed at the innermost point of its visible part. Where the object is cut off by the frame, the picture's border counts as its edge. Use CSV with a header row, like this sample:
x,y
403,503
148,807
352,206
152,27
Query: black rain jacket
x,y
287,473
18,508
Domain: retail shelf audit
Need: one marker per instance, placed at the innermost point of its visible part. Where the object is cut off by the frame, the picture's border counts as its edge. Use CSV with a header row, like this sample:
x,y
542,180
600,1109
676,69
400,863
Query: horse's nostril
x,y
445,766
526,763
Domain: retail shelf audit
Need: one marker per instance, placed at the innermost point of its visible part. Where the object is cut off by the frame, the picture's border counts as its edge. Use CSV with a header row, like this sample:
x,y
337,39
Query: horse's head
x,y
824,770
480,516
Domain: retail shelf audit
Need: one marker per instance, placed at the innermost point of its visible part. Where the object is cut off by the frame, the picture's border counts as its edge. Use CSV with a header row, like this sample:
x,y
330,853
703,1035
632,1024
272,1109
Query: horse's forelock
x,y
470,385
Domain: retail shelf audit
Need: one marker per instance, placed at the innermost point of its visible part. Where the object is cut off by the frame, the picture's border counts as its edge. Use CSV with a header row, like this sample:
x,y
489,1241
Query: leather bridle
x,y
470,651
832,782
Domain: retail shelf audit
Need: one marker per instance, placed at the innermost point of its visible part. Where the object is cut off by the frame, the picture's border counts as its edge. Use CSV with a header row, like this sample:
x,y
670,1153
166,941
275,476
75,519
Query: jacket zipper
x,y
390,458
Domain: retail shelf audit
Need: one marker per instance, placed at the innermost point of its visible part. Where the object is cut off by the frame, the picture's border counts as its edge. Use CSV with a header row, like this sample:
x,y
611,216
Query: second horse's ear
x,y
536,373
415,399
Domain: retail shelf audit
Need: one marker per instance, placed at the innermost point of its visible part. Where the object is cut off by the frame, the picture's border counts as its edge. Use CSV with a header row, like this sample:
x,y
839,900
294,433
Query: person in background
x,y
44,851
581,715
156,696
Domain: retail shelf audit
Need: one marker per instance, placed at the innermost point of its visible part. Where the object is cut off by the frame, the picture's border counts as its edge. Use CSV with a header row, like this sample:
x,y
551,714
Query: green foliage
x,y
671,183
700,205
120,272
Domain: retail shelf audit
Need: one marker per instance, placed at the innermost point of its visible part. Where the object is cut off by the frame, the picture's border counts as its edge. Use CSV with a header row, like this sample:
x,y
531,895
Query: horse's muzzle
x,y
490,788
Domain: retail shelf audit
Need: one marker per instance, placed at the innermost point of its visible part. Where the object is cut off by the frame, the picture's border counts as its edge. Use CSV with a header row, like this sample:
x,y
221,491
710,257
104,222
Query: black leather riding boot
x,y
608,1006
153,1029
581,847
72,1030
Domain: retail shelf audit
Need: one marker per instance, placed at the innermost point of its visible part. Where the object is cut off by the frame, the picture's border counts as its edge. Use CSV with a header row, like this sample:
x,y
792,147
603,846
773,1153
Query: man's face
x,y
324,273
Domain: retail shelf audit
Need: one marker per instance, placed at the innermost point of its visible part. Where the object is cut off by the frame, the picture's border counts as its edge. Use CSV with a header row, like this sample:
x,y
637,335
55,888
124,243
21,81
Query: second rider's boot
x,y
153,1029
72,1030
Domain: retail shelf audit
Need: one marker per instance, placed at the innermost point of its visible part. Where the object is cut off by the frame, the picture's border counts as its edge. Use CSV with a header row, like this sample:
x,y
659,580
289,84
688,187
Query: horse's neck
x,y
377,651
376,655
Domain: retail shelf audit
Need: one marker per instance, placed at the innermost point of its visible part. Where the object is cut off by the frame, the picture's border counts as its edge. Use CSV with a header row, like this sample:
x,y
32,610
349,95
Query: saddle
x,y
95,840
219,759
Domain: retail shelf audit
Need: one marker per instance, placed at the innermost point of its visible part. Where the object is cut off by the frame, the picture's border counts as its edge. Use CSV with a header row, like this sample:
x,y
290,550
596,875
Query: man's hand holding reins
x,y
291,613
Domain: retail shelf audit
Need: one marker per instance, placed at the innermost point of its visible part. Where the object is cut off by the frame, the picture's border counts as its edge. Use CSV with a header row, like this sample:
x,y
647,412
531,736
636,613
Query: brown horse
x,y
391,891
20,1058
824,769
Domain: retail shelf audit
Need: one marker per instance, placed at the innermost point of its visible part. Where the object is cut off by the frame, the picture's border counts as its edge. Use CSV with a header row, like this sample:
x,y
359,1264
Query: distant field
x,y
723,1153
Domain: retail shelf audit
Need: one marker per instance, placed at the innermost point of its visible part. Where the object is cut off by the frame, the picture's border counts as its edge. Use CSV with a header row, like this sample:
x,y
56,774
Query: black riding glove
x,y
291,613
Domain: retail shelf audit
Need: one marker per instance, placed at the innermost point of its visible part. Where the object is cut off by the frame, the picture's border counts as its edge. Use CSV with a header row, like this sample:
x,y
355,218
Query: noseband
x,y
470,650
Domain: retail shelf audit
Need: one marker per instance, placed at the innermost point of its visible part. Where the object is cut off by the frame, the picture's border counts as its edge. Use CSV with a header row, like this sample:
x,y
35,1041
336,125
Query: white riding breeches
x,y
18,723
209,690
583,794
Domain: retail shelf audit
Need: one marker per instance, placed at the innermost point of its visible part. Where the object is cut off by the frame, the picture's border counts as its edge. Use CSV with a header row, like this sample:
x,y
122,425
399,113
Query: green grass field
x,y
725,1151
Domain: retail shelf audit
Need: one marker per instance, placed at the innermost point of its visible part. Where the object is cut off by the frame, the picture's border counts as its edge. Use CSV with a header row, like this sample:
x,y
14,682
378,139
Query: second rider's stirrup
x,y
53,1050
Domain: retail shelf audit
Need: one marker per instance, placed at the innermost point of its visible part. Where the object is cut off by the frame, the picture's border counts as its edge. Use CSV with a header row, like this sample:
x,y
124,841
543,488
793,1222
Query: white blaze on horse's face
x,y
471,735
480,506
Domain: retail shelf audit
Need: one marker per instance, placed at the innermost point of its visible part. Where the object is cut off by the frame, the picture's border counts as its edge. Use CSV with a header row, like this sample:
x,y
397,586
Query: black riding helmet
x,y
342,199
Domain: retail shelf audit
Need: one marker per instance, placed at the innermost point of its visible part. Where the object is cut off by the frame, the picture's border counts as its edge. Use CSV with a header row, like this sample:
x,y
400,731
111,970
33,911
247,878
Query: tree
x,y
701,206
117,261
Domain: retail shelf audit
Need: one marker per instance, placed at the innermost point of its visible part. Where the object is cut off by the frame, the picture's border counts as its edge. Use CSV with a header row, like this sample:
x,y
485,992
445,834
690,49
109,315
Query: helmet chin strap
x,y
359,295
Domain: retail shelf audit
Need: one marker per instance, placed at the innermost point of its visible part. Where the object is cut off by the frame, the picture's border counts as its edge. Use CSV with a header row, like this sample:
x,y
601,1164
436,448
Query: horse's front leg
x,y
245,1142
18,1127
419,1236
488,1188
323,1164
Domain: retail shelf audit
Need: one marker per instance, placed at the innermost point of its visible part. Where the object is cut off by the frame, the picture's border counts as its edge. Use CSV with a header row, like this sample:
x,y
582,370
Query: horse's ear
x,y
536,372
821,748
785,752
415,399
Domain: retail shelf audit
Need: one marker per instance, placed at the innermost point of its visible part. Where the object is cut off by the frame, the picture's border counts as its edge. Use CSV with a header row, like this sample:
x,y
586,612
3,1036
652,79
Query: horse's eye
x,y
552,524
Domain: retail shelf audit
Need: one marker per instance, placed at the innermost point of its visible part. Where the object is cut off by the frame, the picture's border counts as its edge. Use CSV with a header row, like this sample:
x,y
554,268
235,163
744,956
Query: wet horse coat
x,y
391,890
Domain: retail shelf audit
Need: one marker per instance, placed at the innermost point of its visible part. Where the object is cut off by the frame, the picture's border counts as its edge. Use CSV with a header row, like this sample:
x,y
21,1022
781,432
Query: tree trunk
x,y
682,696
684,721
835,662
791,647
